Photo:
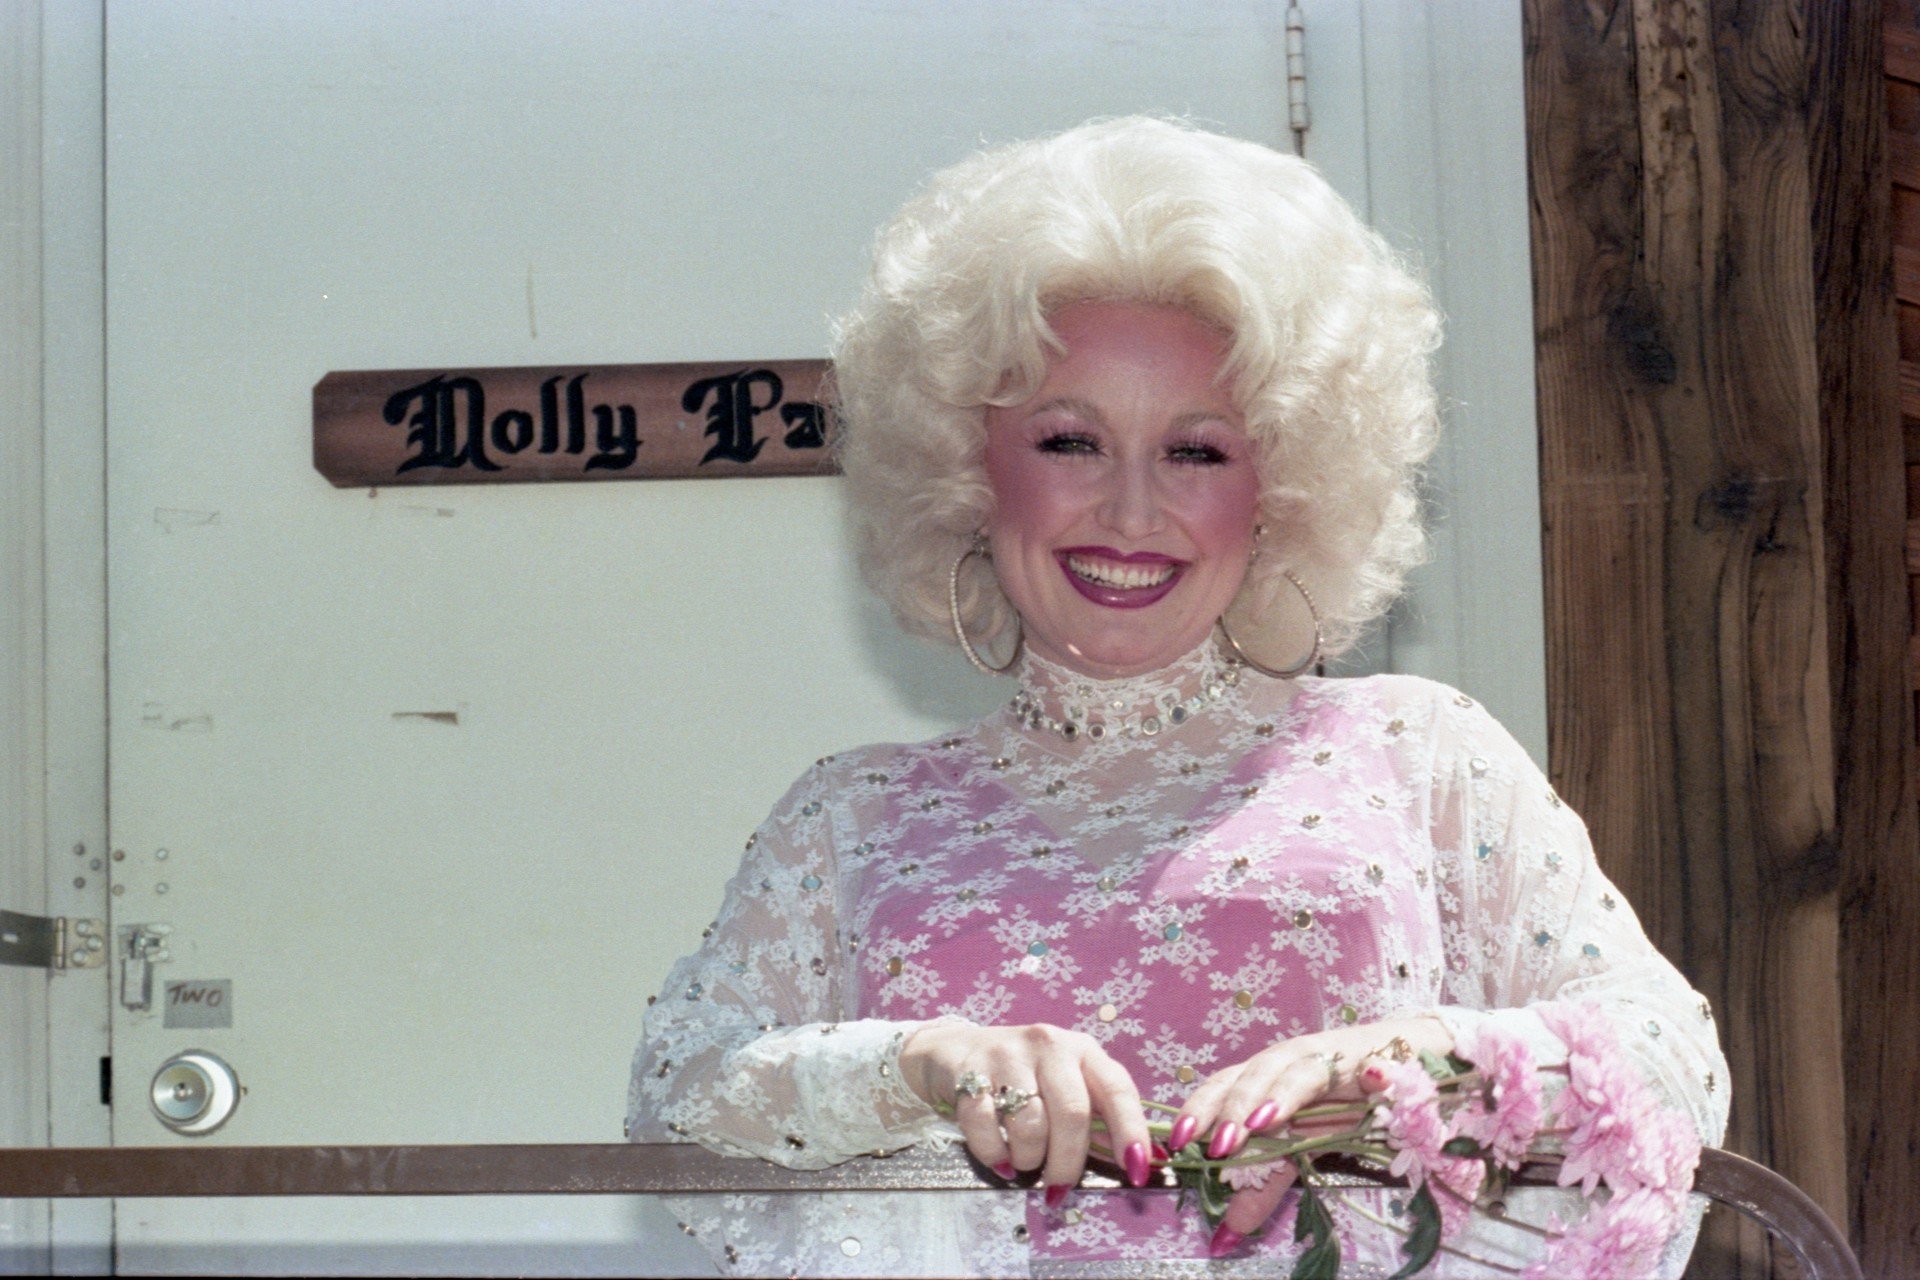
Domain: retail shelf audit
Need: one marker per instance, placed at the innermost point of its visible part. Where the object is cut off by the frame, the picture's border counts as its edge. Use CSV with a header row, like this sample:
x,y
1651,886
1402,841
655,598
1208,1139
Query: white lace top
x,y
1213,860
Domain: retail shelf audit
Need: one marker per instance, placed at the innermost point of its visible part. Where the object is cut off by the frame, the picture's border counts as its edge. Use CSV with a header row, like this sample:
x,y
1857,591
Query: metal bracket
x,y
51,942
142,946
1297,115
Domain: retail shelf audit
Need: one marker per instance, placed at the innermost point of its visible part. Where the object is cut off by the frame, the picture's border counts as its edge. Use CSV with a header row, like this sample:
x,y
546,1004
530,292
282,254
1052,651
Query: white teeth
x,y
1106,573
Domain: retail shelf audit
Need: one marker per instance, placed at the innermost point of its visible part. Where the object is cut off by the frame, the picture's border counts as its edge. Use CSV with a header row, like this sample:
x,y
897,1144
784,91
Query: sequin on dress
x,y
1294,856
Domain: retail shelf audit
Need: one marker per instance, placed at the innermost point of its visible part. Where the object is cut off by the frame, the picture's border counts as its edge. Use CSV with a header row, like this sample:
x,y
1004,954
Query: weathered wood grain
x,y
1902,55
1684,395
1877,814
1903,160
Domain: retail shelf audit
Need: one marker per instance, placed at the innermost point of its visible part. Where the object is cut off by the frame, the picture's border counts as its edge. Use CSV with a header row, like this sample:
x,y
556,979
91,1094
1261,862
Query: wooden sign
x,y
576,422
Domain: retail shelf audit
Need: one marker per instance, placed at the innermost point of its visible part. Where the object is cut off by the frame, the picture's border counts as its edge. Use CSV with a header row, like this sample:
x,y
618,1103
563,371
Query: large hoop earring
x,y
1313,657
978,547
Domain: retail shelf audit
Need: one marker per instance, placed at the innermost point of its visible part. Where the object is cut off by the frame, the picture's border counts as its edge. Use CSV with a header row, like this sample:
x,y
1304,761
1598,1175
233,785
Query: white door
x,y
439,781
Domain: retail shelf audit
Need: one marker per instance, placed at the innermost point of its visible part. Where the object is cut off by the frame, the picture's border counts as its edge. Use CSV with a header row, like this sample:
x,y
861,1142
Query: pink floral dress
x,y
1232,861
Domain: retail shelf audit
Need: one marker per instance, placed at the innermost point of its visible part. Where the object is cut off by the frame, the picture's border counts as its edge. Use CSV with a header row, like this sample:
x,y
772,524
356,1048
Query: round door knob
x,y
194,1092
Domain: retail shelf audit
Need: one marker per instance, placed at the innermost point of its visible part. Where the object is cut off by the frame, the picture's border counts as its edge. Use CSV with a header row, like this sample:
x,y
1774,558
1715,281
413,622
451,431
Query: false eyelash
x,y
1067,443
1212,455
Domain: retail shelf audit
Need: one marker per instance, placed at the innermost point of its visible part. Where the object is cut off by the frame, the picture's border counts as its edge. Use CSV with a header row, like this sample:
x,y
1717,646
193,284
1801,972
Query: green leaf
x,y
1461,1147
1321,1260
1437,1067
1213,1196
1424,1240
1204,1184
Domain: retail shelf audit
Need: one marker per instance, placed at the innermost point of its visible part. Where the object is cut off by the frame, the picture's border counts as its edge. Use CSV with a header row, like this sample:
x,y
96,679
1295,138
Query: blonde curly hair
x,y
1331,340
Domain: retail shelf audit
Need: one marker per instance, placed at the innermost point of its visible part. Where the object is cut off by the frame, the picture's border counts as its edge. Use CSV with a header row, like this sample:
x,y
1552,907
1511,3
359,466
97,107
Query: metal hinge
x,y
51,942
1297,75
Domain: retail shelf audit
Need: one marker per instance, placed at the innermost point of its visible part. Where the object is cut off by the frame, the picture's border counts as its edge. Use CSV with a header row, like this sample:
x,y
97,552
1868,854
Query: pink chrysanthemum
x,y
1617,1134
1619,1240
1581,1026
1504,1061
1663,1156
1242,1176
1408,1109
1605,1106
1455,1182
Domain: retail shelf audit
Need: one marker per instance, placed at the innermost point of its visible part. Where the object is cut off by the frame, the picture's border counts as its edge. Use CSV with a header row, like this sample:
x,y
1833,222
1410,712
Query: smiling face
x,y
1124,490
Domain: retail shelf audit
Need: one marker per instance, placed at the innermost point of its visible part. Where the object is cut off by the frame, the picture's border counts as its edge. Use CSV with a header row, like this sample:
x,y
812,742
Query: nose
x,y
1132,506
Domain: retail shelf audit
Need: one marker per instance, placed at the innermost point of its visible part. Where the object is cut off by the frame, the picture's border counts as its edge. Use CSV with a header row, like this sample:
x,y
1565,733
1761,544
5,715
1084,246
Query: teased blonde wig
x,y
1331,340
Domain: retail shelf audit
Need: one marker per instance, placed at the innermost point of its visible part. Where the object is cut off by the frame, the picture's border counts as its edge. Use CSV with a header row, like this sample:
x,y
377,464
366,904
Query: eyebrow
x,y
1085,409
1073,405
1199,416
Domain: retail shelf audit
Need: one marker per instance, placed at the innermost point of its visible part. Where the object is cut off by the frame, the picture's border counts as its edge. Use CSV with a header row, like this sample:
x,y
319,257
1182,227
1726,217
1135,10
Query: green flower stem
x,y
1305,1113
1333,1109
1519,1224
1399,1230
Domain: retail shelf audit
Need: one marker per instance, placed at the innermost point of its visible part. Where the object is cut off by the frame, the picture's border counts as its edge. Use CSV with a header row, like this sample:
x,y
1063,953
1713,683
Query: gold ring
x,y
1007,1100
1394,1050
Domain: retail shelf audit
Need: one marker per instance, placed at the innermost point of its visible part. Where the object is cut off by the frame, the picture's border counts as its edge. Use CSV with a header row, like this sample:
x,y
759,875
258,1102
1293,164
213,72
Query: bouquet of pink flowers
x,y
1457,1127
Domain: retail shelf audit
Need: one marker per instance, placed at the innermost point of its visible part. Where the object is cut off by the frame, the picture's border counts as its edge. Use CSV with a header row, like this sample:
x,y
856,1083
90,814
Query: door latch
x,y
142,946
51,942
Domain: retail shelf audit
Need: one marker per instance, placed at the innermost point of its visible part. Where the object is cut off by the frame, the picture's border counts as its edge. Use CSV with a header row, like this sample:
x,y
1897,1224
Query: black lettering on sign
x,y
199,1002
433,430
732,411
711,418
806,425
732,406
442,436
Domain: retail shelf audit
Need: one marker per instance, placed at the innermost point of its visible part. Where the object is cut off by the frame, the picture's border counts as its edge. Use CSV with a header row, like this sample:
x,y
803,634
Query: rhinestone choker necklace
x,y
1097,713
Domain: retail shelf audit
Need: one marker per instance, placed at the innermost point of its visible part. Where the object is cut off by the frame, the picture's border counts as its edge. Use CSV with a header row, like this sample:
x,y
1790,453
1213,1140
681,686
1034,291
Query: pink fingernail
x,y
1226,1141
1372,1077
1134,1160
1055,1195
1225,1241
1006,1170
1183,1131
1161,1154
1263,1115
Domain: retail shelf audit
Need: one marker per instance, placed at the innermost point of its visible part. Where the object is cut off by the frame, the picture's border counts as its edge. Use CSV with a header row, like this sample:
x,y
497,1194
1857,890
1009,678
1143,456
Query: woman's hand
x,y
1263,1094
1070,1077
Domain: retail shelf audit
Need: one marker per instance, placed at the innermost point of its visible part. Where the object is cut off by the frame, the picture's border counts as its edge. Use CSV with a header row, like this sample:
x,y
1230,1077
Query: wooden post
x,y
1877,817
1722,547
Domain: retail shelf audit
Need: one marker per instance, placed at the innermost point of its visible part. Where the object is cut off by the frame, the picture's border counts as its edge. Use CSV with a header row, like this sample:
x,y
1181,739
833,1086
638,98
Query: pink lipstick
x,y
1120,579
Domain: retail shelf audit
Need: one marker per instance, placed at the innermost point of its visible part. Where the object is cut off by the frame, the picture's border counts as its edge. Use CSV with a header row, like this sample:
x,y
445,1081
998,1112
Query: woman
x,y
1135,415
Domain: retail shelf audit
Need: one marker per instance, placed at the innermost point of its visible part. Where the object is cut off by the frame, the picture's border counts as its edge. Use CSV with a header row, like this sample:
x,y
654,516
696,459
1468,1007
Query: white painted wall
x,y
1446,182
53,851
1435,158
23,992
445,933
440,932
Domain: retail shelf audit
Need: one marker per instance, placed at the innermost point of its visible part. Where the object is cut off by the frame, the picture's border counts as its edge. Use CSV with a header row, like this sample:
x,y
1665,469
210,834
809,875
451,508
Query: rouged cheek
x,y
1216,508
1032,491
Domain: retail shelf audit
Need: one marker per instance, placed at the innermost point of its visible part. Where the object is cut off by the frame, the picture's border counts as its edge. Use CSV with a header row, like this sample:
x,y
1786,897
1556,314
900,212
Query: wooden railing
x,y
629,1168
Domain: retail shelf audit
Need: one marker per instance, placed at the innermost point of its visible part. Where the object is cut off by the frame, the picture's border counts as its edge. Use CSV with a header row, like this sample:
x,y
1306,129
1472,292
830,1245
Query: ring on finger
x,y
973,1084
1394,1050
1008,1100
1333,1067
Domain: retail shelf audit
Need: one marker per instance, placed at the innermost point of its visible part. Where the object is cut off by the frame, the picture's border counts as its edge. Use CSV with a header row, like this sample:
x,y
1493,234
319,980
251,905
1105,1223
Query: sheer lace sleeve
x,y
745,1050
1528,917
